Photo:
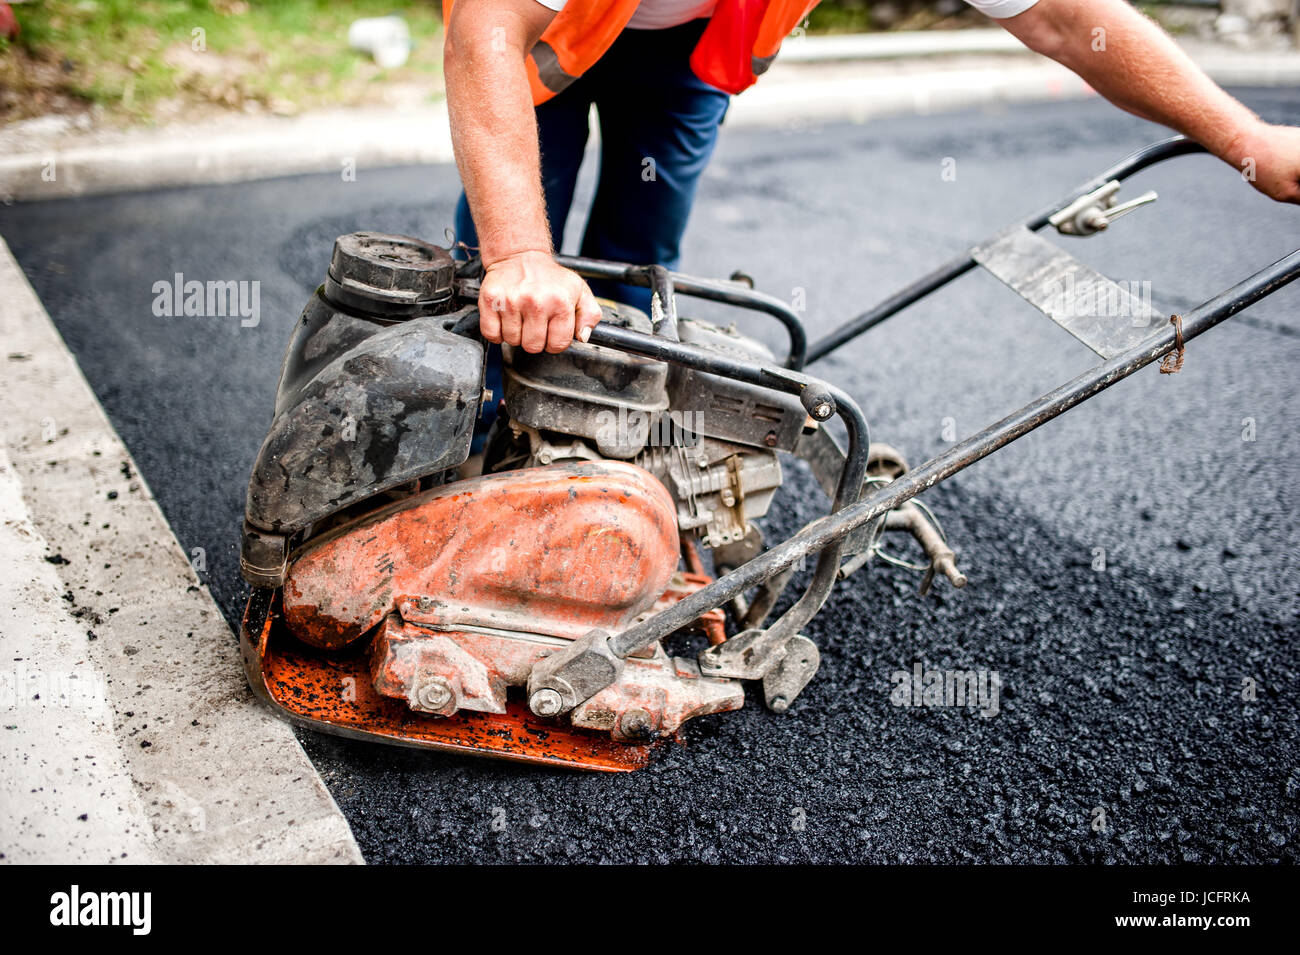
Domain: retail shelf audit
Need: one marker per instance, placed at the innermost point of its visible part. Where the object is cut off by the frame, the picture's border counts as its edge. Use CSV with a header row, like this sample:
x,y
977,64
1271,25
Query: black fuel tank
x,y
375,391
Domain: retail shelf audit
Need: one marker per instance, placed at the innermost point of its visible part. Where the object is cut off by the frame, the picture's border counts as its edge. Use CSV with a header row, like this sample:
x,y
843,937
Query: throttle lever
x,y
1095,211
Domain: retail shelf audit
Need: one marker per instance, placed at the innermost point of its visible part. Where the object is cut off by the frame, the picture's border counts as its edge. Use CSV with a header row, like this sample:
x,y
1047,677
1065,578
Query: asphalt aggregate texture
x,y
1132,565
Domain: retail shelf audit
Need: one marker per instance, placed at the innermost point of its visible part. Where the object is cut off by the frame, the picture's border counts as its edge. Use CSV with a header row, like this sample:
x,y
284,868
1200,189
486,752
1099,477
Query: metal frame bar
x,y
821,535
850,513
659,278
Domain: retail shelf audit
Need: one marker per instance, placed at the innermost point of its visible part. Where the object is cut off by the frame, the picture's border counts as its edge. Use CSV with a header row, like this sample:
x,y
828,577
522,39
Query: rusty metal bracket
x,y
1172,363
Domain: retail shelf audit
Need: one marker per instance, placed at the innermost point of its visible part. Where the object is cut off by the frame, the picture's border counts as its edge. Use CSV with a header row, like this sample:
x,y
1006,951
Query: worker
x,y
522,76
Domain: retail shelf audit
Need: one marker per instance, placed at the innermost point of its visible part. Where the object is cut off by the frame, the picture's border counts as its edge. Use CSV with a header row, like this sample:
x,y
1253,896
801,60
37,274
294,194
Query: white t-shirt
x,y
661,14
657,14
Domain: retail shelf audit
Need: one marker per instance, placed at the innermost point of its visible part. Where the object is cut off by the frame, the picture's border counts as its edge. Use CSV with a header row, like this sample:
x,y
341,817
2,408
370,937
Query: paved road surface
x,y
1122,689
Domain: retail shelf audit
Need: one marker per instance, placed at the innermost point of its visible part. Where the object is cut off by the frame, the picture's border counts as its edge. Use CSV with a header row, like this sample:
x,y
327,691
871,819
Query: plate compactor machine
x,y
516,602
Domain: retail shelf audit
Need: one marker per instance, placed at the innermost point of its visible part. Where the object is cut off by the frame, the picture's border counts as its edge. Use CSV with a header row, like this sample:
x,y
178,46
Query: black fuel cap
x,y
391,275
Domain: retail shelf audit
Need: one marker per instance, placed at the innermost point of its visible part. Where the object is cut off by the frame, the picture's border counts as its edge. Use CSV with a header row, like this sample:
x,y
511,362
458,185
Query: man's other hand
x,y
1269,158
527,300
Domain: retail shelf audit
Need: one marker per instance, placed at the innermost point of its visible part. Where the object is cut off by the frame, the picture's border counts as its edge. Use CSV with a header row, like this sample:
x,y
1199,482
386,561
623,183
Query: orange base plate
x,y
332,693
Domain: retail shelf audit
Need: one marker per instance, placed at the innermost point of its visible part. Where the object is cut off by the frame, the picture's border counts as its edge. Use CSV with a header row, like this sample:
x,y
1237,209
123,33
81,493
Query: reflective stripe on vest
x,y
549,71
758,64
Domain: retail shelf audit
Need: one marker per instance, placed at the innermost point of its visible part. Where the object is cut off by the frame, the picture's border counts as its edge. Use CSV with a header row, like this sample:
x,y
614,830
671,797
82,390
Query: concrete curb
x,y
862,97
818,79
898,44
127,733
232,151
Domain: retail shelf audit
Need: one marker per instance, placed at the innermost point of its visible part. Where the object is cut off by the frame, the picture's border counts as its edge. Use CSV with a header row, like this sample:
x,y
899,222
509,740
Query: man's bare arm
x,y
1133,63
526,299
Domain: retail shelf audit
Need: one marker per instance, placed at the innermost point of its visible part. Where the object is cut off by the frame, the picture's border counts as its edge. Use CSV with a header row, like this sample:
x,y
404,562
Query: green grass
x,y
131,56
854,16
850,16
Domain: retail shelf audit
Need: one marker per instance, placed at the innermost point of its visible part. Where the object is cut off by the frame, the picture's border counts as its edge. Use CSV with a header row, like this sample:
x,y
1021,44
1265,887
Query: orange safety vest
x,y
738,45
